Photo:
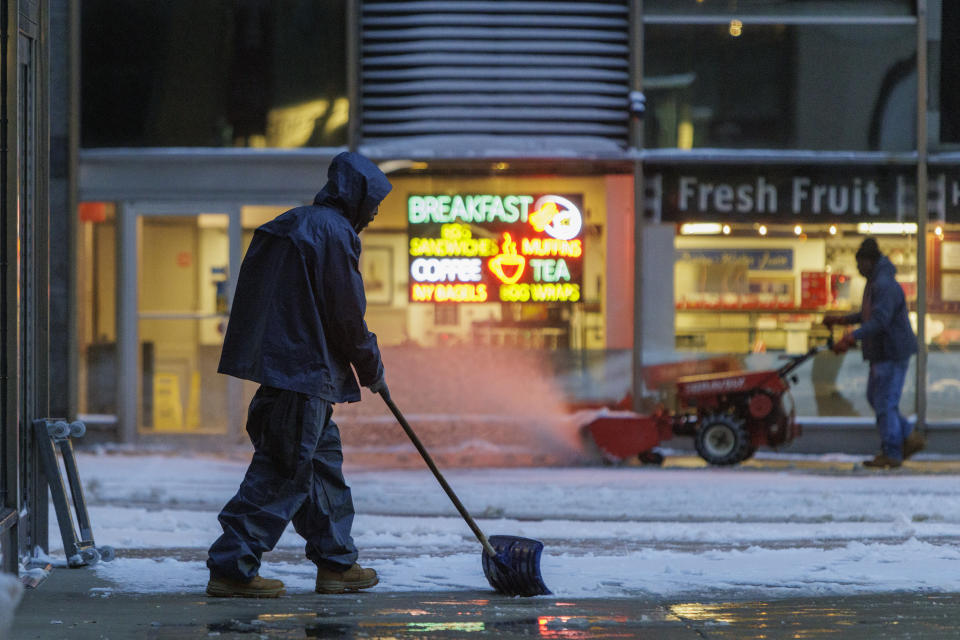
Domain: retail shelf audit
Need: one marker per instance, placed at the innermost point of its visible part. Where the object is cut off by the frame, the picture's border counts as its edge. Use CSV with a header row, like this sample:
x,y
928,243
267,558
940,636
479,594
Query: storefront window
x,y
97,309
760,291
949,64
182,307
241,74
943,321
846,86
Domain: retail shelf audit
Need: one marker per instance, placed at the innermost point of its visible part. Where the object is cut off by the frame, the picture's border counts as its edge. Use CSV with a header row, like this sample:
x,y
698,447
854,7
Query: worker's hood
x,y
883,269
356,187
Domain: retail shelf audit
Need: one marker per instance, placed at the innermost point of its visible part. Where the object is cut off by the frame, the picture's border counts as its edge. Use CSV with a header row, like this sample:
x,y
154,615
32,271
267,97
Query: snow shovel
x,y
510,563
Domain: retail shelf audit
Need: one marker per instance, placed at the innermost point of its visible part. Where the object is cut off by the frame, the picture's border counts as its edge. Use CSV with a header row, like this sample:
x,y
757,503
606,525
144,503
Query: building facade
x,y
25,274
775,137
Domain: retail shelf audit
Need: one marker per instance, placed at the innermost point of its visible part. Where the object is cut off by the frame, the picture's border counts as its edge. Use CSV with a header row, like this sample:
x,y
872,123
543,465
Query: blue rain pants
x,y
295,475
884,387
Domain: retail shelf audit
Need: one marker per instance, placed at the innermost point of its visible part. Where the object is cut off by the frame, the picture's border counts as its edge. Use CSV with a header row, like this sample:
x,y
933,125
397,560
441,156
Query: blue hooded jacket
x,y
297,317
885,333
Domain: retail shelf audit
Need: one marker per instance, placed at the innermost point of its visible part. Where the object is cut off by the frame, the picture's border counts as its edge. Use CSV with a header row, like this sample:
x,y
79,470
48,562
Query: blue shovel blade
x,y
515,570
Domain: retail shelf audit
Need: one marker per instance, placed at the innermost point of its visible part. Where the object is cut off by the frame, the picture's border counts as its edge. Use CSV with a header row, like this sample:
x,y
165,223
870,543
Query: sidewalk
x,y
781,547
73,605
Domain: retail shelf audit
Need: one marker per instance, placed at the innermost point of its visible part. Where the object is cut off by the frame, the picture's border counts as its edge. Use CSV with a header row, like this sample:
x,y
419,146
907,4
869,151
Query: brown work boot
x,y
354,578
256,588
915,442
881,461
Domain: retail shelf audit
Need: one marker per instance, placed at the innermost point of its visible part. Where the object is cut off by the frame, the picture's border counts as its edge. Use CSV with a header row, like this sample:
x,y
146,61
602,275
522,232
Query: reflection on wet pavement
x,y
407,617
760,619
435,618
559,627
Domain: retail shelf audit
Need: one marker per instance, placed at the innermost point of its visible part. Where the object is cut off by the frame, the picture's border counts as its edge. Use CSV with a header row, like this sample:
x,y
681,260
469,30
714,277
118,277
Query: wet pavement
x,y
74,605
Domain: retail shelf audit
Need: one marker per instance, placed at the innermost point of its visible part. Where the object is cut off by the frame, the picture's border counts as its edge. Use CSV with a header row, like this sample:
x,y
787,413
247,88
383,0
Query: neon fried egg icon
x,y
565,222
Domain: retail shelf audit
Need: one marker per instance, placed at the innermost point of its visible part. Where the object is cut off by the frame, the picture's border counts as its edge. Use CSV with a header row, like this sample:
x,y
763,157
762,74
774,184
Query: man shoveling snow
x,y
296,326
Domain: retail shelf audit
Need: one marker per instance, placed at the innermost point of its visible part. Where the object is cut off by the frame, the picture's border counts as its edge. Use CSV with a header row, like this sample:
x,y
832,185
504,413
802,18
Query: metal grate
x,y
556,71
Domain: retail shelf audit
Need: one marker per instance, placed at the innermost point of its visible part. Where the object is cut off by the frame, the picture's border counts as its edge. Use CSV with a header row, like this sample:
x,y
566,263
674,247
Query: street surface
x,y
800,546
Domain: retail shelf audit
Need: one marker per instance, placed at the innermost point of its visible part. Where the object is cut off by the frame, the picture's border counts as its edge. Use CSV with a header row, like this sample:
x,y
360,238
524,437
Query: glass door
x,y
183,298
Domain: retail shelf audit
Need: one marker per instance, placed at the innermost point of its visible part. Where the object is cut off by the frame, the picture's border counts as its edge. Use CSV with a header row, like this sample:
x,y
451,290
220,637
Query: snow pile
x,y
11,590
608,532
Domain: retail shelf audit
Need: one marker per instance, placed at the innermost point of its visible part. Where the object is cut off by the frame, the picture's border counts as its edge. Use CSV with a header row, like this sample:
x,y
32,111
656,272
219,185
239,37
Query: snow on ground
x,y
608,532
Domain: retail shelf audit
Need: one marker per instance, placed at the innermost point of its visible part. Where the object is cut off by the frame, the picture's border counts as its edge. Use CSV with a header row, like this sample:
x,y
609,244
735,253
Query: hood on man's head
x,y
356,186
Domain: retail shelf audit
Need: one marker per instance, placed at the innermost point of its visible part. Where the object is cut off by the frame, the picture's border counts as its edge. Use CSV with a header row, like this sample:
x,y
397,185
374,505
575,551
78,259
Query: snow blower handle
x,y
487,547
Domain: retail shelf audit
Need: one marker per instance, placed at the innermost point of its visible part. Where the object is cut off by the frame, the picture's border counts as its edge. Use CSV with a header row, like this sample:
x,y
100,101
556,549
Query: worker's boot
x,y
354,578
256,588
915,442
882,461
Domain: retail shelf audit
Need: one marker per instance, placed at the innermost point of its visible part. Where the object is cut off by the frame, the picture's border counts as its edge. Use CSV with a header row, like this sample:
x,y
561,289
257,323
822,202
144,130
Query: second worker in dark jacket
x,y
297,328
887,341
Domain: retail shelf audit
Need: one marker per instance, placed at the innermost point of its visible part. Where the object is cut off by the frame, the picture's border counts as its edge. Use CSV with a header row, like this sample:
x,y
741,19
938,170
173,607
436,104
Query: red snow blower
x,y
729,415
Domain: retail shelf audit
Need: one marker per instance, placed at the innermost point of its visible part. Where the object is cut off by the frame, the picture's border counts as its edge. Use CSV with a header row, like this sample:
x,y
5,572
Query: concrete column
x,y
658,302
618,305
657,257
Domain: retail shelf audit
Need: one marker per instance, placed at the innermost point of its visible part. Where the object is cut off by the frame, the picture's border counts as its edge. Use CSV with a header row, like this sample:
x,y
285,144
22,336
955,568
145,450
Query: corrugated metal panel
x,y
544,68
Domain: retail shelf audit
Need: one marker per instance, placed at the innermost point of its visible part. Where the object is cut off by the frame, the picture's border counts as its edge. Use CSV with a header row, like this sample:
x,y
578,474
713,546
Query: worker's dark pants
x,y
884,387
295,475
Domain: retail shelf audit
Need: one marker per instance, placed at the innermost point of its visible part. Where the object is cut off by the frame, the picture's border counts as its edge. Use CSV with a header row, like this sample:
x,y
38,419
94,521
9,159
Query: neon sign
x,y
470,208
495,248
559,217
508,266
454,240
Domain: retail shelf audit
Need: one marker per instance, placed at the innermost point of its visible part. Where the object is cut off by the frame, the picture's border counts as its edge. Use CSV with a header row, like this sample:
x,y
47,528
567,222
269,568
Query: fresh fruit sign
x,y
495,248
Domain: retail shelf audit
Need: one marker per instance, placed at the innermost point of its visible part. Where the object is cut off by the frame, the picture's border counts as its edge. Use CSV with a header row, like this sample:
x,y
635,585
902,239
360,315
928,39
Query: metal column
x,y
24,272
922,212
639,200
10,311
127,330
236,412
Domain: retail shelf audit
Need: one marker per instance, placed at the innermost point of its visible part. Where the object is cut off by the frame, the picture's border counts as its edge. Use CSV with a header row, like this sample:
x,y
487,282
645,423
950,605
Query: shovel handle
x,y
487,547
